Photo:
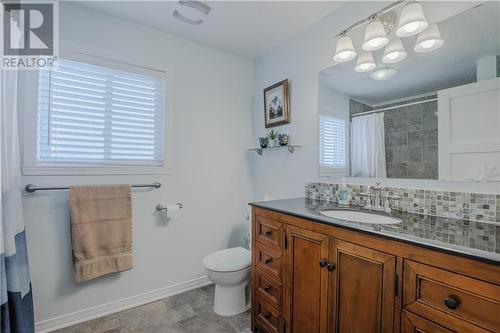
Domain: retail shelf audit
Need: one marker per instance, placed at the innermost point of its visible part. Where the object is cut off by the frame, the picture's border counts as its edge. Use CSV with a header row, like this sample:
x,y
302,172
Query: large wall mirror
x,y
432,115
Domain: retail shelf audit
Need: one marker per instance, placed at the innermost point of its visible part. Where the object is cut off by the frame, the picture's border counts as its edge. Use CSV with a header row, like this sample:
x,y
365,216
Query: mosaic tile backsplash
x,y
456,205
462,233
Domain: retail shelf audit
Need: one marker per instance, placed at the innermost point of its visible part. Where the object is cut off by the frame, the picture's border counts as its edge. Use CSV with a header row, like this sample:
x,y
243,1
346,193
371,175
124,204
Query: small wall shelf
x,y
291,148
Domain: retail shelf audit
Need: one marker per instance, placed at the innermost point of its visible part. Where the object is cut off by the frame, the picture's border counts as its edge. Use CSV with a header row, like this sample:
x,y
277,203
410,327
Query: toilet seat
x,y
228,260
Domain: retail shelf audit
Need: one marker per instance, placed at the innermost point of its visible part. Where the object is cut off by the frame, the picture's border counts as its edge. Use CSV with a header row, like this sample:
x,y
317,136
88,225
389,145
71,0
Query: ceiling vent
x,y
193,12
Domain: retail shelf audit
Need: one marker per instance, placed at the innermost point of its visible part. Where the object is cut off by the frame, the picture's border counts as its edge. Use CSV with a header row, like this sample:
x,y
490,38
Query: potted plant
x,y
273,138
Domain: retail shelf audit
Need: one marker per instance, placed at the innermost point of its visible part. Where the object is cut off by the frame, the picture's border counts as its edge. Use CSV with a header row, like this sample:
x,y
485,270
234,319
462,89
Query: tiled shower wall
x,y
411,138
457,205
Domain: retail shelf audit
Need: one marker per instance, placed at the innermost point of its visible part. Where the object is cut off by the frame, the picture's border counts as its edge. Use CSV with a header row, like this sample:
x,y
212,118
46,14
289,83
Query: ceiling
x,y
246,28
468,36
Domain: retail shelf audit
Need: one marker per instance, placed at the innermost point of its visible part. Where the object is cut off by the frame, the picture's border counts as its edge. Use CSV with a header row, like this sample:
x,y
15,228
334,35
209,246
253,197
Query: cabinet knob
x,y
322,263
330,266
268,289
268,261
268,233
267,316
451,302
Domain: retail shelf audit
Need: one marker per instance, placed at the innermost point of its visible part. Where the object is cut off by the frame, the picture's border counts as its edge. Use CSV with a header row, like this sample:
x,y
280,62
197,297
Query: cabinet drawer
x,y
267,317
269,289
452,300
269,260
412,323
268,232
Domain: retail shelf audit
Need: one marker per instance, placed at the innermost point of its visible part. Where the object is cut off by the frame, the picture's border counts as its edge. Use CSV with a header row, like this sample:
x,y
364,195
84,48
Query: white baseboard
x,y
73,318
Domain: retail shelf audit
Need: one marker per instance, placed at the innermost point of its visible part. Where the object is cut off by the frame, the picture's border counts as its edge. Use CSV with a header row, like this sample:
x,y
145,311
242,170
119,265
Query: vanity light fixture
x,y
365,62
394,52
375,36
383,74
344,50
382,24
428,40
412,20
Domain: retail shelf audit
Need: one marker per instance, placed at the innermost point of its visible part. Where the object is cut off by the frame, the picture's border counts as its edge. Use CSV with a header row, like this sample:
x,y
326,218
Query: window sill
x,y
333,173
93,170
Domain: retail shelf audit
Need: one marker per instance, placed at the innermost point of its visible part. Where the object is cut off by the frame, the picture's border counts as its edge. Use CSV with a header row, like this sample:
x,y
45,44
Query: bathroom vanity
x,y
312,273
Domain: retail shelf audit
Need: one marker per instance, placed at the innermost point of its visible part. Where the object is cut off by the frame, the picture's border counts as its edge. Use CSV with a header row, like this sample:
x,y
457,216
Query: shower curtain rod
x,y
393,107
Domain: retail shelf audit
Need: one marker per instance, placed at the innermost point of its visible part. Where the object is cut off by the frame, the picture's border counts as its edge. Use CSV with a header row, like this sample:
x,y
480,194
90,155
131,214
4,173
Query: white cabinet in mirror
x,y
437,118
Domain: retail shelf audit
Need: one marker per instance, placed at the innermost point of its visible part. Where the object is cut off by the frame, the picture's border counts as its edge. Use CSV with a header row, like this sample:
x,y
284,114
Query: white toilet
x,y
229,269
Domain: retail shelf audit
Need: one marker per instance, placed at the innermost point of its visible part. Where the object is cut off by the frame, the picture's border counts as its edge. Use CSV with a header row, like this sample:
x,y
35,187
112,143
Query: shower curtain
x,y
15,287
368,146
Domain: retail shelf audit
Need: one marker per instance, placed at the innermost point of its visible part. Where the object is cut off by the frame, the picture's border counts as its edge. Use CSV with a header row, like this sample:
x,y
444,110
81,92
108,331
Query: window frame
x,y
28,84
335,171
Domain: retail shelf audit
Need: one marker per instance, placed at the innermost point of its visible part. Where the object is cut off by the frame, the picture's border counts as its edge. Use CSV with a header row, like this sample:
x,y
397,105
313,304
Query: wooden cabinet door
x,y
306,281
363,289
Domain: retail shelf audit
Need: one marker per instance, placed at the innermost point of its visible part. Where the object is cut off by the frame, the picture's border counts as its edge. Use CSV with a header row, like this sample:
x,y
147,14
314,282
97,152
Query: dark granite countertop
x,y
475,240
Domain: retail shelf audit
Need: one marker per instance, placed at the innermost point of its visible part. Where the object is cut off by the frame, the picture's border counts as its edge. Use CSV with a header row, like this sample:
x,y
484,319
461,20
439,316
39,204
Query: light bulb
x,y
365,66
428,43
346,55
393,55
411,27
376,43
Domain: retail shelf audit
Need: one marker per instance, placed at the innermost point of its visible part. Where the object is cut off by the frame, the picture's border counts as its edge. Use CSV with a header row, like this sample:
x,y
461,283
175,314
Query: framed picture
x,y
276,110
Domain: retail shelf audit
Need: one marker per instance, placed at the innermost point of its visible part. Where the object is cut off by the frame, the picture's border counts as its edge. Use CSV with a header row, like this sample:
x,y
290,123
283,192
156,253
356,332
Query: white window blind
x,y
332,142
97,115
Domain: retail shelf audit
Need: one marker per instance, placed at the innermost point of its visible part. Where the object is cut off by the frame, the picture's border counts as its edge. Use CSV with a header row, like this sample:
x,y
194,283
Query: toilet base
x,y
230,301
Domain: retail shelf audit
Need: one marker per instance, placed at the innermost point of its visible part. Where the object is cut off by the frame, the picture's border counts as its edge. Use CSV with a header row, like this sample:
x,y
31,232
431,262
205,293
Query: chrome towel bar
x,y
30,188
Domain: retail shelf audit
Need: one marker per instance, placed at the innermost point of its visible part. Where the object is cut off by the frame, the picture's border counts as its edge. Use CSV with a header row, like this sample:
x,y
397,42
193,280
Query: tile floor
x,y
189,312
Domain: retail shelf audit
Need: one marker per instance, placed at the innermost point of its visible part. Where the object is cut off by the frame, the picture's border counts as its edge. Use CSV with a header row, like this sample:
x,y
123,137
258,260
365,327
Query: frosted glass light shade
x,y
394,52
429,40
375,36
365,62
344,50
412,20
383,74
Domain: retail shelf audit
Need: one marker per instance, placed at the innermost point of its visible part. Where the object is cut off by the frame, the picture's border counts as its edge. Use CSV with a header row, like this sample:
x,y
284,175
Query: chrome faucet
x,y
377,198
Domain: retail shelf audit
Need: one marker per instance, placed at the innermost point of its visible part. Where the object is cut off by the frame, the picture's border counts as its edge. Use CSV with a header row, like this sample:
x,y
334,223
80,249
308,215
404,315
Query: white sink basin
x,y
361,217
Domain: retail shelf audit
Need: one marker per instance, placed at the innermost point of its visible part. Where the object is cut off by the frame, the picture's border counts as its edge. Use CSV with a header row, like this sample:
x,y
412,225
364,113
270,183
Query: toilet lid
x,y
228,260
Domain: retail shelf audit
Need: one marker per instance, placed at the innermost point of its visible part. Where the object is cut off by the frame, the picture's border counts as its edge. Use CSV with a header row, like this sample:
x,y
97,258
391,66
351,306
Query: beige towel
x,y
101,230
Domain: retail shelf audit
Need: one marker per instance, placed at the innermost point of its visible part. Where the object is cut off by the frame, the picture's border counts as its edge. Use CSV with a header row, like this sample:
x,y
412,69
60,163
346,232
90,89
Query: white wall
x,y
211,94
332,100
280,174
